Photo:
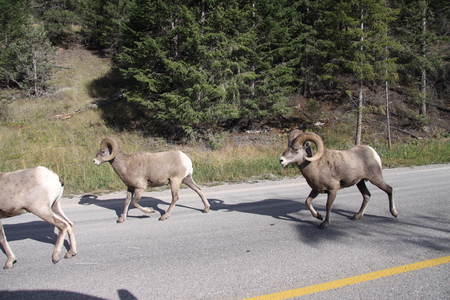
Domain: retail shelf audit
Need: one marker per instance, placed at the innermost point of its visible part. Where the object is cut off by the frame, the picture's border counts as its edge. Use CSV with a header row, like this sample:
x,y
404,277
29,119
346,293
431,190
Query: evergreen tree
x,y
13,16
192,64
414,28
360,28
102,23
59,18
33,57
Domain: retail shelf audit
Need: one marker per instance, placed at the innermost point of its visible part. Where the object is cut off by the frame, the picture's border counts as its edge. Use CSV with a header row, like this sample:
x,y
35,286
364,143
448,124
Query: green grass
x,y
29,138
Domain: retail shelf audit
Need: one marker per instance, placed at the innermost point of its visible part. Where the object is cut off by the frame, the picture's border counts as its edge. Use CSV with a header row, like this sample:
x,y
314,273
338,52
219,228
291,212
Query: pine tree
x,y
13,16
415,31
33,56
360,34
192,64
102,23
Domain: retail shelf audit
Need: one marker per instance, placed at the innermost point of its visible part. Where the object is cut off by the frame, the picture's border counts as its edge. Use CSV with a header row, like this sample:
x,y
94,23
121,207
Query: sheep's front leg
x,y
11,258
174,187
123,217
330,200
308,201
137,196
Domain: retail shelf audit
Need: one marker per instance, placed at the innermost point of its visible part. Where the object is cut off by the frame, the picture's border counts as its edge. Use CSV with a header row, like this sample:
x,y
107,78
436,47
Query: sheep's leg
x,y
123,217
11,258
63,228
137,196
70,230
330,200
189,181
174,187
310,198
366,197
389,191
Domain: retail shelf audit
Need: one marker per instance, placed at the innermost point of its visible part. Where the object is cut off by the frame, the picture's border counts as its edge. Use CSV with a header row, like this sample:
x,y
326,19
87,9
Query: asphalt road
x,y
258,239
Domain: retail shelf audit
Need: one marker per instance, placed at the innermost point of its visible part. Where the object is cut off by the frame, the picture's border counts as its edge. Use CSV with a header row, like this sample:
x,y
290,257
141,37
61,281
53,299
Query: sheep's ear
x,y
307,144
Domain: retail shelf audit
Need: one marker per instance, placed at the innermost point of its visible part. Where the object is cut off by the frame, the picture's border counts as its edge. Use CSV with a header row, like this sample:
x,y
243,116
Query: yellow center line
x,y
353,280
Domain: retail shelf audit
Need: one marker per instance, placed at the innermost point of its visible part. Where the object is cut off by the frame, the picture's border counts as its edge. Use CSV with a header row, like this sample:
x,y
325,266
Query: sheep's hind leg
x,y
189,181
310,198
11,258
389,191
70,229
366,197
62,226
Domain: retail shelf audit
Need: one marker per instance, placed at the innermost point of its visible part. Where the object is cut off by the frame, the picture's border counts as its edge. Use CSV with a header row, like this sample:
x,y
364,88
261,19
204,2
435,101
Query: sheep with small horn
x,y
327,171
142,170
37,190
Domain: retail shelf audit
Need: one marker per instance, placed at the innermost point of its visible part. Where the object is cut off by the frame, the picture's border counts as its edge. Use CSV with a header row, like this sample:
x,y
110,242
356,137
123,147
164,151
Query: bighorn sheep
x,y
37,190
327,171
142,170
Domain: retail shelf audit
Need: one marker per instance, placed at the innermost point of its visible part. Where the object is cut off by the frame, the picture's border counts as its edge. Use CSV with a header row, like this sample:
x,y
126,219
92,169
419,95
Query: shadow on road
x,y
39,231
51,294
118,204
276,208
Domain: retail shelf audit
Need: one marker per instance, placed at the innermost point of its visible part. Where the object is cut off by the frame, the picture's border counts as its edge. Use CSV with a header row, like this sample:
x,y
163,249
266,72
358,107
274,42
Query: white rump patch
x,y
377,157
187,163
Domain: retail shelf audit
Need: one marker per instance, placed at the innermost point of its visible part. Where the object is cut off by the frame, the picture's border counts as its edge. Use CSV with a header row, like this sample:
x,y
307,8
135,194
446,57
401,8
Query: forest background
x,y
166,74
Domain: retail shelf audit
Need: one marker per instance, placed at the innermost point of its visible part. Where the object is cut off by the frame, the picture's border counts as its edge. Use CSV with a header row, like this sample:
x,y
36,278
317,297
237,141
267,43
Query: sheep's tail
x,y
56,207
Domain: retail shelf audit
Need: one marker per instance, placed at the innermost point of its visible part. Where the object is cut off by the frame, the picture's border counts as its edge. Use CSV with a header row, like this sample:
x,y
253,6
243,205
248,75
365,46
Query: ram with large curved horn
x,y
327,171
142,170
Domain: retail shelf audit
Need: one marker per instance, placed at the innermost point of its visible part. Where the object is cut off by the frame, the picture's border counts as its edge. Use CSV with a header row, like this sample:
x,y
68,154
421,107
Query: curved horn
x,y
310,137
113,143
293,135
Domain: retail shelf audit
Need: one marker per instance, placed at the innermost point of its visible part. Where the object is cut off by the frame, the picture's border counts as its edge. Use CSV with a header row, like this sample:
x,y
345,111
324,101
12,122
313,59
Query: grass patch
x,y
237,164
416,153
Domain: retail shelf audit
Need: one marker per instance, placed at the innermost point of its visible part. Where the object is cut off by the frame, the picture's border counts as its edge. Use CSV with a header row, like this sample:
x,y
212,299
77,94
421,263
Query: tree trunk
x,y
360,92
388,117
360,112
423,104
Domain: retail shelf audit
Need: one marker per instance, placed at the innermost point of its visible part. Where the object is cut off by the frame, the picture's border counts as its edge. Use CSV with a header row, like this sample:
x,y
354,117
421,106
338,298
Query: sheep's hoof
x,y
149,210
9,265
55,258
70,254
356,217
323,225
319,216
120,220
206,210
163,217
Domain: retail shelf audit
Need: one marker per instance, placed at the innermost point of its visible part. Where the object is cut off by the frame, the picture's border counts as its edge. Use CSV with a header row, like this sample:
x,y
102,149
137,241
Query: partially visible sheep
x,y
327,171
37,190
142,170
